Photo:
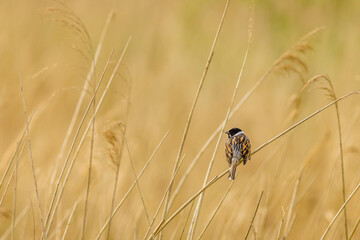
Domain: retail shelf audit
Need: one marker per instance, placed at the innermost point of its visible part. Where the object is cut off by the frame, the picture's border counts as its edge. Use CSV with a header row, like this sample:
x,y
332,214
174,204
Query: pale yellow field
x,y
48,47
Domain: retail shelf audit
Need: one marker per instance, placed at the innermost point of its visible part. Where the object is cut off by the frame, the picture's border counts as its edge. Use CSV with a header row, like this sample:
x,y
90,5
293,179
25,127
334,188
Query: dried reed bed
x,y
84,180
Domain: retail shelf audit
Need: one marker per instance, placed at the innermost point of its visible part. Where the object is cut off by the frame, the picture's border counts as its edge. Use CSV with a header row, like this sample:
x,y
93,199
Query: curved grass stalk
x,y
330,92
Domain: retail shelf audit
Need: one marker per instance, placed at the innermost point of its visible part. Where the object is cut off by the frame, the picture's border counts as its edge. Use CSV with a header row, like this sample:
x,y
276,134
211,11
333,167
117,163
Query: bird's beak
x,y
227,132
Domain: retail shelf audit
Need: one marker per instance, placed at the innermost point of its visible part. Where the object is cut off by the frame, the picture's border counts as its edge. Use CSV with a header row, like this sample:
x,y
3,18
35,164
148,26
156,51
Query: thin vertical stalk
x,y
12,157
14,202
5,235
216,210
187,219
90,160
340,210
33,218
131,188
31,157
199,203
68,222
331,93
355,227
118,156
252,220
12,174
342,170
291,207
86,131
164,223
211,54
137,183
82,96
162,200
113,197
73,144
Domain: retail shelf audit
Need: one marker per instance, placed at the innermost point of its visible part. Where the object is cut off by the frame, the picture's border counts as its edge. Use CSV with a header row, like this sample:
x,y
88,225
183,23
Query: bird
x,y
237,150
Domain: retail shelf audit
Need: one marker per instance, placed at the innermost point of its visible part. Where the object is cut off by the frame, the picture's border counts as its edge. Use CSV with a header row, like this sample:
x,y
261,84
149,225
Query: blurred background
x,y
160,73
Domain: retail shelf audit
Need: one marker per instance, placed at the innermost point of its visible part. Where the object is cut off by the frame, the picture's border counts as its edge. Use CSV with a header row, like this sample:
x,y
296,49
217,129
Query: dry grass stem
x,y
281,225
163,199
216,210
14,154
7,187
137,182
12,174
253,218
132,186
31,156
211,54
22,214
163,224
115,152
68,222
291,207
199,203
10,162
73,143
340,210
330,92
90,158
81,98
187,219
355,227
14,201
33,218
305,119
89,124
64,219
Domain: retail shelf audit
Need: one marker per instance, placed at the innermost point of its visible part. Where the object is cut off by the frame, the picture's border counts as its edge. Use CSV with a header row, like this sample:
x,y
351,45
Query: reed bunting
x,y
237,149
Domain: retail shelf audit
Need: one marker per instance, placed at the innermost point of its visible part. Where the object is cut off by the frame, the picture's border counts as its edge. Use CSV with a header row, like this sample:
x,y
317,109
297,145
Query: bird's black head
x,y
233,131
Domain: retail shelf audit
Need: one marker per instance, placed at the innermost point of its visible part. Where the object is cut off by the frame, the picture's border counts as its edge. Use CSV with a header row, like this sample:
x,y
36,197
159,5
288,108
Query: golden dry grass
x,y
70,60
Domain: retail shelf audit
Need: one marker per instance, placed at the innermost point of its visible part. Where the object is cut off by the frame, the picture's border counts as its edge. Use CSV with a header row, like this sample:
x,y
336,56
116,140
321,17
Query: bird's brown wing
x,y
228,151
241,148
246,149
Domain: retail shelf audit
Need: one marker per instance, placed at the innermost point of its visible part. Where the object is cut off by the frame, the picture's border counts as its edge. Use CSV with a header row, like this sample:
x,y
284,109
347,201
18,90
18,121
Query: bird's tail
x,y
232,170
